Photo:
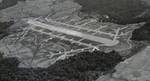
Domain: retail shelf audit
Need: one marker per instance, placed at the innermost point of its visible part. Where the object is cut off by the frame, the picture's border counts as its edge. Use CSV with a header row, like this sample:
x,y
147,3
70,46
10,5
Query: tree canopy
x,y
119,11
142,33
85,66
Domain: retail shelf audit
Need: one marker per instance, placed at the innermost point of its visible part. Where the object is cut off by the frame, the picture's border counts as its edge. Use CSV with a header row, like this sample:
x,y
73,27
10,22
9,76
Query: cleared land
x,y
105,41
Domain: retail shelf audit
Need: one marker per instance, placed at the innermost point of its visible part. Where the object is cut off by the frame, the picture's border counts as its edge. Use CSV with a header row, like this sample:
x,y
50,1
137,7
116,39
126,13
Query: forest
x,y
119,11
85,66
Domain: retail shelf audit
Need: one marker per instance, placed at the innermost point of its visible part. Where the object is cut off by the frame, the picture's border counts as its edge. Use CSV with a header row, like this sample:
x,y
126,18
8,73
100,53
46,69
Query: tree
x,y
119,11
142,34
3,28
85,66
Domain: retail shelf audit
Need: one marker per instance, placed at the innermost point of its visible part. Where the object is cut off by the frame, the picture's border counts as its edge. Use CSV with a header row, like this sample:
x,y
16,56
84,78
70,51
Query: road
x,y
107,42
